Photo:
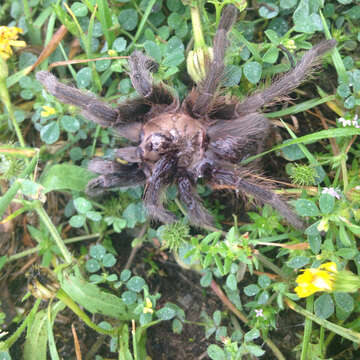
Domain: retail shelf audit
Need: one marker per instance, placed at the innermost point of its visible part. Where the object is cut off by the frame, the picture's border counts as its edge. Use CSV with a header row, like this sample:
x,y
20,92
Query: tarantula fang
x,y
204,136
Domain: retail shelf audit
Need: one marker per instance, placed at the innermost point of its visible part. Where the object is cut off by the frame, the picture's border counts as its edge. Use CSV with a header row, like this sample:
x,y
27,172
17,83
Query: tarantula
x,y
204,136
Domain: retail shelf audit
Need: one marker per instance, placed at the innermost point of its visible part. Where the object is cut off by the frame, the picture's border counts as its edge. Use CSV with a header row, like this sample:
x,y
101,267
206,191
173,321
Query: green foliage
x,y
264,246
174,235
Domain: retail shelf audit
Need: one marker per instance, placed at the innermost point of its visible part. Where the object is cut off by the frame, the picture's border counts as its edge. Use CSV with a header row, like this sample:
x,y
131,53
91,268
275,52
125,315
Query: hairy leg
x,y
243,182
162,175
234,140
289,81
203,96
91,107
188,195
123,119
114,175
141,67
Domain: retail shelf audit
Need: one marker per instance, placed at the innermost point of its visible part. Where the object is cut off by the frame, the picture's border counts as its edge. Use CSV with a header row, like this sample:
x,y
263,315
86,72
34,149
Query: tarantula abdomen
x,y
178,143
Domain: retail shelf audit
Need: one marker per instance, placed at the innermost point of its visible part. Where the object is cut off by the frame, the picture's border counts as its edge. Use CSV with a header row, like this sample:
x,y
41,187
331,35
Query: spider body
x,y
206,136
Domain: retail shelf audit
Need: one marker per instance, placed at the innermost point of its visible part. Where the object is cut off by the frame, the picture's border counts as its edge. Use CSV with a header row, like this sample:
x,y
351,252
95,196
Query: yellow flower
x,y
8,38
148,308
313,280
47,111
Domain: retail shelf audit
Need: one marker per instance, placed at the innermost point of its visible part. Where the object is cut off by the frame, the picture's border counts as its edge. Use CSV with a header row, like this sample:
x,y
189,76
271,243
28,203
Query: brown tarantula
x,y
205,136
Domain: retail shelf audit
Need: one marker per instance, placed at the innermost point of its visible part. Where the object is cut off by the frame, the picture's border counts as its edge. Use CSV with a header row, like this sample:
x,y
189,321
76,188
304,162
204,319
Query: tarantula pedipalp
x,y
205,136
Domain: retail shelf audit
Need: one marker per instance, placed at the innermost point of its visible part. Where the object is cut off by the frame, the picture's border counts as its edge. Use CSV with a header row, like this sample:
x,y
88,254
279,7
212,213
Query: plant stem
x,y
5,97
307,329
321,341
144,18
12,339
199,40
53,231
344,332
65,298
14,188
133,333
38,247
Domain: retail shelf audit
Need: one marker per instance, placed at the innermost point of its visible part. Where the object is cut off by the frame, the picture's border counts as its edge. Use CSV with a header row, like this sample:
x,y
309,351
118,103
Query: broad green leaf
x,y
326,203
271,55
136,283
70,123
50,132
129,297
36,339
324,306
128,19
84,77
287,4
79,9
215,352
82,205
93,215
252,335
119,44
298,262
97,252
66,177
344,301
92,266
231,282
252,71
166,313
109,260
264,281
306,208
125,275
153,50
232,75
92,298
269,11
251,290
77,221
344,237
315,243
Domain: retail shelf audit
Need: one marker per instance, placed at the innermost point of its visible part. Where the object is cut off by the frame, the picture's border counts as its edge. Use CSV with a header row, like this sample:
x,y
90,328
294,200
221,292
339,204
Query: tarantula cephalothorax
x,y
206,136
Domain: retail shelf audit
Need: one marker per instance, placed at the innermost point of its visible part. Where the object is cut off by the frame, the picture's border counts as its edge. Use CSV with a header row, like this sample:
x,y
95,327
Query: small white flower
x,y
259,312
332,192
353,122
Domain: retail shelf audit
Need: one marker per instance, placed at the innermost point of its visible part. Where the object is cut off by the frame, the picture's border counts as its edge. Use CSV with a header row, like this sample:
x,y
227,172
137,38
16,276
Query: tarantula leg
x,y
288,82
259,192
91,107
236,139
187,194
130,154
289,55
141,67
163,174
215,71
114,175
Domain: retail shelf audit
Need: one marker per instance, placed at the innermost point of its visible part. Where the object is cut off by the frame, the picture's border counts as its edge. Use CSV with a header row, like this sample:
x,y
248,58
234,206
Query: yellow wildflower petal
x,y
305,290
147,310
148,303
323,225
47,111
329,266
305,277
17,43
323,281
8,38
